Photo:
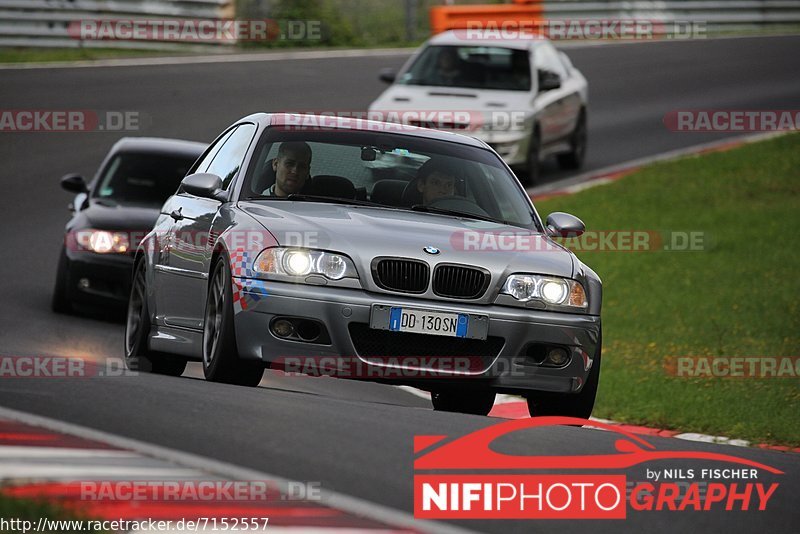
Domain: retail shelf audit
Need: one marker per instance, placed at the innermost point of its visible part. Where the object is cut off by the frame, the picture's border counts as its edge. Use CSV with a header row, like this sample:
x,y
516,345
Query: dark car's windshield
x,y
475,67
142,178
388,170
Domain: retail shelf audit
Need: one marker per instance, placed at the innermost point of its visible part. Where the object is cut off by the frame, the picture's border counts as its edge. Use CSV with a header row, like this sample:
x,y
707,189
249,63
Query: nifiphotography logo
x,y
466,478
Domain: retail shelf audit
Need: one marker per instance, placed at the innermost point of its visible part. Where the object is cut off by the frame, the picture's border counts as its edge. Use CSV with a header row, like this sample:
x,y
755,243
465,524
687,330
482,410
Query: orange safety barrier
x,y
520,13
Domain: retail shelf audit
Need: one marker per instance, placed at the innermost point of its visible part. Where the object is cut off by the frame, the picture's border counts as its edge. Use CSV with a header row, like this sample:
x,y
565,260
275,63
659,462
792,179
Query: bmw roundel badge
x,y
431,250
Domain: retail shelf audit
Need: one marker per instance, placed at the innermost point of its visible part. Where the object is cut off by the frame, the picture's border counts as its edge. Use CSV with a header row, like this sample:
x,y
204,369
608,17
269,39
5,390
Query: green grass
x,y
738,298
31,510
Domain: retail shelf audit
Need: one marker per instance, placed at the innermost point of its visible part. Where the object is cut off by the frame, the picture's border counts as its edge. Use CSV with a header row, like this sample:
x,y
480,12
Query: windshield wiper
x,y
455,213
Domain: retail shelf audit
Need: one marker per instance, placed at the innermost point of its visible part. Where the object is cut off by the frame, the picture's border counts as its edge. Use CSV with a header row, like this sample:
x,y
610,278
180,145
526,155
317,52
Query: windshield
x,y
477,67
388,171
141,178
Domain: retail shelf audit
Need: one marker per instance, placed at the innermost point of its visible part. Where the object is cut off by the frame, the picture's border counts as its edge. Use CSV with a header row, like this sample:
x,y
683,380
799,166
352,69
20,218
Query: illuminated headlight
x,y
103,242
548,289
302,262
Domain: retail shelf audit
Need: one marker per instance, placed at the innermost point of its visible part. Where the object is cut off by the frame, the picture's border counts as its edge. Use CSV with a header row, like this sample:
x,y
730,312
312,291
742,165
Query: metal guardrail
x,y
717,15
46,23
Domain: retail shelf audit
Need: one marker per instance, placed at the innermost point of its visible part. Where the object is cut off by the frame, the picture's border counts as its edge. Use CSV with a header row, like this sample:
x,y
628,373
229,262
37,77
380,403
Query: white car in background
x,y
521,96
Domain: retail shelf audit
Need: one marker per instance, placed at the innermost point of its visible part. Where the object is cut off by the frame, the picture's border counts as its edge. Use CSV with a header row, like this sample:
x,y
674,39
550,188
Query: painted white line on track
x,y
329,498
35,451
198,60
52,471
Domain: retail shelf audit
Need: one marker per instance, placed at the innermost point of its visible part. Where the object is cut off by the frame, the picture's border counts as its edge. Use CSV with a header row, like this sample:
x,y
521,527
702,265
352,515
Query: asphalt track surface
x,y
354,438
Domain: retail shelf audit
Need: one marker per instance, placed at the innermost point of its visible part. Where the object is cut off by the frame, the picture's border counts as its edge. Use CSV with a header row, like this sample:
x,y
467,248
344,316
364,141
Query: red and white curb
x,y
45,459
511,407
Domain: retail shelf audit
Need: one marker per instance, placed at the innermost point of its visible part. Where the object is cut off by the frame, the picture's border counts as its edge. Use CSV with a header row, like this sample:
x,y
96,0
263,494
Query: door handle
x,y
176,214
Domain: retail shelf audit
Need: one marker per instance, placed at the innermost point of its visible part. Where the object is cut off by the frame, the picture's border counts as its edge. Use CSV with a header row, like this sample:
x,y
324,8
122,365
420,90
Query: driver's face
x,y
291,172
436,185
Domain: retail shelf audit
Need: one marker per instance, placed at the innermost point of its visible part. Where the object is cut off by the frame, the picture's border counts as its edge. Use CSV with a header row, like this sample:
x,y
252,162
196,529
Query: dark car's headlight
x,y
103,241
303,262
551,290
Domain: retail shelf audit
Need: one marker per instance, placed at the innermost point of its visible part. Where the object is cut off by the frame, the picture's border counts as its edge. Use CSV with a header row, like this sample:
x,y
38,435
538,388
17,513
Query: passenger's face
x,y
436,185
291,172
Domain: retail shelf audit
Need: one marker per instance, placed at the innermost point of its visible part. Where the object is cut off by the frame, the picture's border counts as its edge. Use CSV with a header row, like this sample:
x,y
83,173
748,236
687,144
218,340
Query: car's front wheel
x,y
137,329
475,402
570,404
221,362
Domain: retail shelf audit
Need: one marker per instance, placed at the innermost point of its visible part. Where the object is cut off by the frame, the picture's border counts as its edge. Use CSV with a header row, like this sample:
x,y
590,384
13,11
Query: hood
x,y
364,233
418,98
104,214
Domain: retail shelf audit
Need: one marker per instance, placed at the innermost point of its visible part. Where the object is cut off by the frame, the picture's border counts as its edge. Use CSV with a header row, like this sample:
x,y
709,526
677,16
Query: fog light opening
x,y
282,328
557,357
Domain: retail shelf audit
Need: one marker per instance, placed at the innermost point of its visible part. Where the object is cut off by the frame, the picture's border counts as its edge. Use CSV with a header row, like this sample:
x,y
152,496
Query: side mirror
x,y
203,185
74,183
387,75
548,80
560,224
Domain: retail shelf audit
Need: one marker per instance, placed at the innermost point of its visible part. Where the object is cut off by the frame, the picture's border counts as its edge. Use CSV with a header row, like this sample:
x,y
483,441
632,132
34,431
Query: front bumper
x,y
511,145
99,279
345,314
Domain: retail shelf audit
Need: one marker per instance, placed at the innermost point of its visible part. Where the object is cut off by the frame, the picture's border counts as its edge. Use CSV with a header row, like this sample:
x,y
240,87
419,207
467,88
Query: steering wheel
x,y
458,203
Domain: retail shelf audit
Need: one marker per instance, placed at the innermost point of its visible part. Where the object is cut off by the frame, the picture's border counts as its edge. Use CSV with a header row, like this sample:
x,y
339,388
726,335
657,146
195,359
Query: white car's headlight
x,y
103,242
548,289
302,262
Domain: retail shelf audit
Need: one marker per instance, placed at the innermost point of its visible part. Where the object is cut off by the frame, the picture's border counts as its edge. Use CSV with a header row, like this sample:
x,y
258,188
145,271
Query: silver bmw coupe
x,y
372,251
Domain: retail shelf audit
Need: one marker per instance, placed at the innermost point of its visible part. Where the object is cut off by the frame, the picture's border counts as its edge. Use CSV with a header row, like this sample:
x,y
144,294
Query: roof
x,y
158,145
489,38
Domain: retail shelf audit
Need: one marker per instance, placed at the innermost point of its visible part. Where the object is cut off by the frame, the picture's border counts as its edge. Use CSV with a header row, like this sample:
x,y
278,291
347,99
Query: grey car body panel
x,y
177,289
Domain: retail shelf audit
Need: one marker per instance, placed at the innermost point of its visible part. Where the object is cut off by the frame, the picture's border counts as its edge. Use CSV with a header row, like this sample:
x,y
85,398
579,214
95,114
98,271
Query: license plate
x,y
428,322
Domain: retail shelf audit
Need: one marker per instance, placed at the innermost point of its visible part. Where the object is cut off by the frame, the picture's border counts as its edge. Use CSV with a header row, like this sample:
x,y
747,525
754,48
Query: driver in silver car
x,y
435,180
291,168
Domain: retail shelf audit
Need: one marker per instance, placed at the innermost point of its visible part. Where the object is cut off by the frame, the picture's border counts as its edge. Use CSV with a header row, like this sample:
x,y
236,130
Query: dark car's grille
x,y
407,276
460,282
380,344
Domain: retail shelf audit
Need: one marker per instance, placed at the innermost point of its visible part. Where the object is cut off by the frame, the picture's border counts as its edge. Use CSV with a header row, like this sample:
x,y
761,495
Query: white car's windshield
x,y
476,67
390,170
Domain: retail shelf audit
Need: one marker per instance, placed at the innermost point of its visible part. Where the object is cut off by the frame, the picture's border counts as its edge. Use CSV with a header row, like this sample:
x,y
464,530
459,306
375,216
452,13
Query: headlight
x,y
103,242
548,289
302,262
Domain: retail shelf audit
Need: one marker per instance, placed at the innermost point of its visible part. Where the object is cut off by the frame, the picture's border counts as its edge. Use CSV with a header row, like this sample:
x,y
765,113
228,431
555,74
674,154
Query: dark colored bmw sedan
x,y
111,214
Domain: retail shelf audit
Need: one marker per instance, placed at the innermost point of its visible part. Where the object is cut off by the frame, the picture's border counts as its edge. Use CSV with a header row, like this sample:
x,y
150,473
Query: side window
x,y
547,58
209,157
229,158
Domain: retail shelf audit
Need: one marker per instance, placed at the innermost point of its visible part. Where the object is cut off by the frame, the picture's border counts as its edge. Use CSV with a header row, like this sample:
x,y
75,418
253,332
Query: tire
x,y
59,302
574,158
533,165
137,329
221,362
570,404
475,402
